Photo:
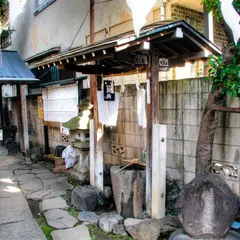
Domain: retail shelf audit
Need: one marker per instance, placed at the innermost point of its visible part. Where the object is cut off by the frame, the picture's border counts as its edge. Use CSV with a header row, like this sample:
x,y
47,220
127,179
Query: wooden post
x,y
2,116
152,118
24,122
159,156
96,142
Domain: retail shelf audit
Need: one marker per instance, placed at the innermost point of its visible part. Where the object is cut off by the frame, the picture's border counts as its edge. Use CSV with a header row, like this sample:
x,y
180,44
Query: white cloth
x,y
141,107
140,10
64,130
108,110
232,18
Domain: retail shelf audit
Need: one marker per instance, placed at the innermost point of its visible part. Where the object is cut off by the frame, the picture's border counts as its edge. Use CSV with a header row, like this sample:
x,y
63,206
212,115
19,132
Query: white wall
x,y
54,26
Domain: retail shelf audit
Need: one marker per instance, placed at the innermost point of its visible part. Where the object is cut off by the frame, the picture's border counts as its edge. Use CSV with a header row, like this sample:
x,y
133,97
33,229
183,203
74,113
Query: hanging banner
x,y
108,90
140,10
40,107
232,18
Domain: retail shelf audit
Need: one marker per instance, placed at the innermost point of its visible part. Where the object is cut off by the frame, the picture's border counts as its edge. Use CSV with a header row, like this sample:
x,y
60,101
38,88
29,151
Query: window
x,y
41,5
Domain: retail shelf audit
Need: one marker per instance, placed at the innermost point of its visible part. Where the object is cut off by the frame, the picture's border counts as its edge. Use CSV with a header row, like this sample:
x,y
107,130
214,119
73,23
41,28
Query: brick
x,y
226,153
190,148
190,133
188,177
228,136
133,140
118,138
174,132
171,116
174,146
133,128
116,159
192,117
107,147
175,161
175,174
132,152
235,186
189,164
130,115
107,158
172,101
130,102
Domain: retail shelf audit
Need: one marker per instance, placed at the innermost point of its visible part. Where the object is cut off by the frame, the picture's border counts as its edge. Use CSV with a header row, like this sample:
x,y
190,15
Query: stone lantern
x,y
79,138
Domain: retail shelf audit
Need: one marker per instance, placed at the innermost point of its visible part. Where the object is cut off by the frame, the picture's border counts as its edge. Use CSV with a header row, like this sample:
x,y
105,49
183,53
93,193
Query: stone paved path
x,y
36,182
16,219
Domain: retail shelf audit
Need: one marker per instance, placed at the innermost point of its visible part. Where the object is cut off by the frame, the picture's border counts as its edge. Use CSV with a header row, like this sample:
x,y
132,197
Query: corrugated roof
x,y
191,40
13,69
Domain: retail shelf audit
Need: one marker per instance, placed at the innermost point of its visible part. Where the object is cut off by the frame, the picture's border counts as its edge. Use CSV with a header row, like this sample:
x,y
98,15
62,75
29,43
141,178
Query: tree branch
x,y
225,109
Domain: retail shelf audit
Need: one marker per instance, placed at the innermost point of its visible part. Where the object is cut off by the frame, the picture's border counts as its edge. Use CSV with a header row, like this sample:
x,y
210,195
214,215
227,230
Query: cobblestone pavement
x,y
34,182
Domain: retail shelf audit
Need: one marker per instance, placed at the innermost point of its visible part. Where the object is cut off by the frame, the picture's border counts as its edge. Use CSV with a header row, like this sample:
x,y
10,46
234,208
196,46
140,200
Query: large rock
x,y
89,217
107,192
179,234
207,207
129,190
107,222
84,198
120,230
150,229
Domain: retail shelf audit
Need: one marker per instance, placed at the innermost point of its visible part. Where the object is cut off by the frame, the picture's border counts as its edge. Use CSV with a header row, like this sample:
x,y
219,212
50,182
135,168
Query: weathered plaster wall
x,y
116,18
54,26
182,103
35,125
36,128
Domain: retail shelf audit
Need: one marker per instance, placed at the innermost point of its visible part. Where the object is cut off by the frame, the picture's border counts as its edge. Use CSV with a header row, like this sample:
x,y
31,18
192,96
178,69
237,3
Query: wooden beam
x,y
24,120
96,139
95,69
52,124
1,115
152,118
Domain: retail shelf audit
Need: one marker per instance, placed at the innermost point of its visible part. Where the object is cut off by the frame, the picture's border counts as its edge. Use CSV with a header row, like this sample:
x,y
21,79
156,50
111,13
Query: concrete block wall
x,y
127,135
182,104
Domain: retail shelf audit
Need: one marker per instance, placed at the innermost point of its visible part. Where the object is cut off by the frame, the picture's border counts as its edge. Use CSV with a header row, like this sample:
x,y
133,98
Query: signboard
x,y
108,90
141,59
40,107
33,91
163,64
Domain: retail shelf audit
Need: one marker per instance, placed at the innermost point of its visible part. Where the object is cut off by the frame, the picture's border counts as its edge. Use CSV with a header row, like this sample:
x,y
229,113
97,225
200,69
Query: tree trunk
x,y
206,132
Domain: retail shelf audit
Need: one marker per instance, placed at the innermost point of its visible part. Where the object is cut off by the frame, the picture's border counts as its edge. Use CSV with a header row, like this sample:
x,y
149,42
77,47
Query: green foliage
x,y
226,75
73,212
3,2
214,6
98,234
45,228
